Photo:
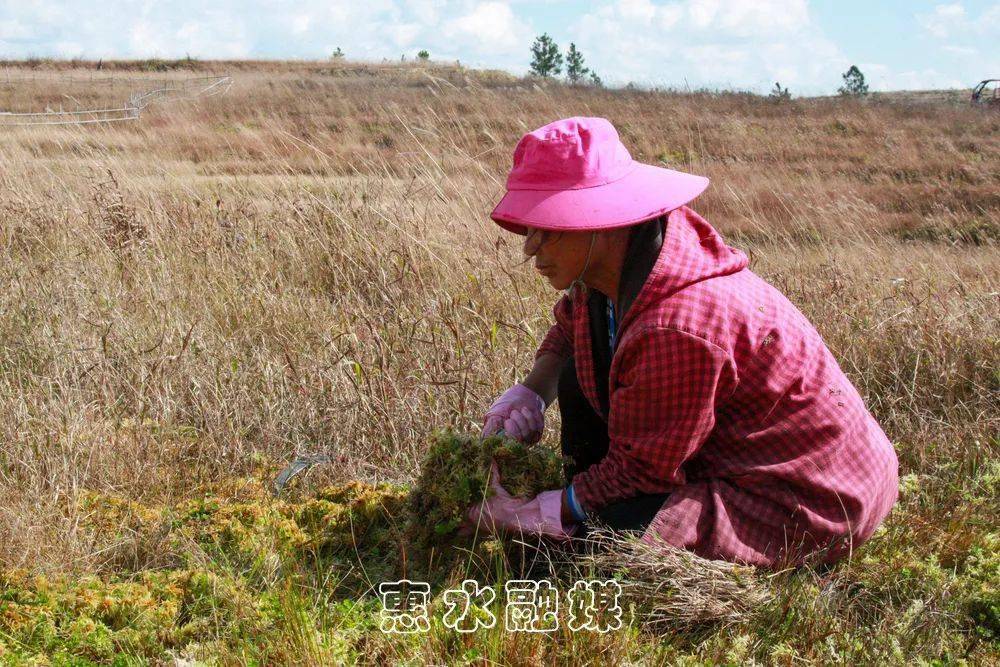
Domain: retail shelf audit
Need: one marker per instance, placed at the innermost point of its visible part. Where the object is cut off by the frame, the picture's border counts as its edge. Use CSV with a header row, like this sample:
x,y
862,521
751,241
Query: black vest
x,y
643,249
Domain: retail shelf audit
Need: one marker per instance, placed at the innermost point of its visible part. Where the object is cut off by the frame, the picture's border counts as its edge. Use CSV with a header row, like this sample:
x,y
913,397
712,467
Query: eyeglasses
x,y
536,238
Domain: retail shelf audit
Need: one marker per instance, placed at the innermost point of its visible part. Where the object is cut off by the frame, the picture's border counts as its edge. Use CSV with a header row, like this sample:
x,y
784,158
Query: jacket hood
x,y
691,251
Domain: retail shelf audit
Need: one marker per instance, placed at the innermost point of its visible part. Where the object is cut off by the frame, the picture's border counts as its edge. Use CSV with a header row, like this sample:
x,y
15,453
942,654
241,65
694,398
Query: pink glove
x,y
501,511
520,412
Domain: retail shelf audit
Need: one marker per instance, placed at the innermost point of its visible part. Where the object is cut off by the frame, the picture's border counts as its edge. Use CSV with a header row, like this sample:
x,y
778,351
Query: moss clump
x,y
356,529
982,584
351,517
455,475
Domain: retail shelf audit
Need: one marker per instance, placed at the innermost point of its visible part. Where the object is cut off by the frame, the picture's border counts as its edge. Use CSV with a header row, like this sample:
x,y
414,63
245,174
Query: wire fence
x,y
131,109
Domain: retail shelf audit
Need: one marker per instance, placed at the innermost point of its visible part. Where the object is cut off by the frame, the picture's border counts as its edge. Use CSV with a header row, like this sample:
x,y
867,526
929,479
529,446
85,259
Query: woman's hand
x,y
520,412
502,512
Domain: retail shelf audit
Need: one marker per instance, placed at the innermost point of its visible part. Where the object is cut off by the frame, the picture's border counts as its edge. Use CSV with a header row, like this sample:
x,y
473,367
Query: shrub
x,y
779,94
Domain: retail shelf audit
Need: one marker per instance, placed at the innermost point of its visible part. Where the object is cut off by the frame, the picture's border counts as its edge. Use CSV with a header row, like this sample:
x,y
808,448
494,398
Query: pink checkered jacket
x,y
725,396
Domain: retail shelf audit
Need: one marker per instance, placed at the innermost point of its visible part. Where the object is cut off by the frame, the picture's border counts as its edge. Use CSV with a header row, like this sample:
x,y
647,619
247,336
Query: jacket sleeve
x,y
559,339
662,410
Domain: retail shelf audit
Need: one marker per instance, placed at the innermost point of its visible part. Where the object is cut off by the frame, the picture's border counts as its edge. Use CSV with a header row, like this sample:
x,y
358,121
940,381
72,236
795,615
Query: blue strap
x,y
574,505
612,327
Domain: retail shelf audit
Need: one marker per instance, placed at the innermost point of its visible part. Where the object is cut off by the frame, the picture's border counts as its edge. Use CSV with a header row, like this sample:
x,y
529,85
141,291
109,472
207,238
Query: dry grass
x,y
675,590
306,265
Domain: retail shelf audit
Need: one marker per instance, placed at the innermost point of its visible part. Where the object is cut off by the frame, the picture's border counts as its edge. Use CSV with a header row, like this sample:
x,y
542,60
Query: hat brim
x,y
646,192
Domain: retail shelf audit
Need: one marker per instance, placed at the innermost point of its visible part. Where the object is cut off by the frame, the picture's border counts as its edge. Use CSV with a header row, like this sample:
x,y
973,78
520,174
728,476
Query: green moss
x,y
349,517
358,532
455,476
355,530
982,586
234,575
102,621
231,572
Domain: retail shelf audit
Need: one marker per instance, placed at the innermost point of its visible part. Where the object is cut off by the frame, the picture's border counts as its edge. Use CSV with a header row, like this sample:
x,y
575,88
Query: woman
x,y
698,405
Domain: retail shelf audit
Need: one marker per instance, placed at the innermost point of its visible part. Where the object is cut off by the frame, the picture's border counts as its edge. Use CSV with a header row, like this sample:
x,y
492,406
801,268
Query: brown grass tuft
x,y
673,589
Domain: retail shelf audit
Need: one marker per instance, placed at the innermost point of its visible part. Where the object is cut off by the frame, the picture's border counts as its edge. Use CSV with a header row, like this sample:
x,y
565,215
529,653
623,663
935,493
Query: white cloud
x,y
300,23
14,29
638,10
952,21
478,32
925,79
749,17
943,20
960,50
723,43
965,41
492,27
404,34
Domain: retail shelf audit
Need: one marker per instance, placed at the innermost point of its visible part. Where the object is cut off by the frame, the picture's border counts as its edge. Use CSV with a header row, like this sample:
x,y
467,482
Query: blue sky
x,y
745,44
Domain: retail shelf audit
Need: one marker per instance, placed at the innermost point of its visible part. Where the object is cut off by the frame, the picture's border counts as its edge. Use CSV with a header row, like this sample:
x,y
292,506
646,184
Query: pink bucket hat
x,y
576,175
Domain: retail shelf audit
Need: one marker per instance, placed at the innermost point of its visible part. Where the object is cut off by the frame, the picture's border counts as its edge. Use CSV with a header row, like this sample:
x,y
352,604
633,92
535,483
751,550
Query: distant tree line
x,y
547,62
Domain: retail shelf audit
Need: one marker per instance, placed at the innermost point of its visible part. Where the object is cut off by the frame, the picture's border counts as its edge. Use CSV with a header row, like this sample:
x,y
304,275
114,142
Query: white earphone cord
x,y
586,264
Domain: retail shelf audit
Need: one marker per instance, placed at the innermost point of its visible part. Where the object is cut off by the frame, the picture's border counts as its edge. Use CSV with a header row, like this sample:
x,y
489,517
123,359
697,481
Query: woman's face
x,y
559,256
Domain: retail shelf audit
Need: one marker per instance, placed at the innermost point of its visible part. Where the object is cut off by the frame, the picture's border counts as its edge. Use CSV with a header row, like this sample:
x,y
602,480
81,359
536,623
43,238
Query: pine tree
x,y
574,65
854,83
545,57
424,55
338,53
596,80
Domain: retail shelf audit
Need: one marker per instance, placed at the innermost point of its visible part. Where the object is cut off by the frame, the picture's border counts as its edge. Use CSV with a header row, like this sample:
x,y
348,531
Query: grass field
x,y
306,265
